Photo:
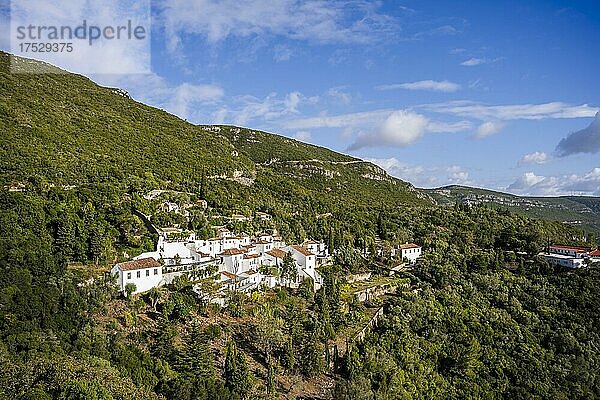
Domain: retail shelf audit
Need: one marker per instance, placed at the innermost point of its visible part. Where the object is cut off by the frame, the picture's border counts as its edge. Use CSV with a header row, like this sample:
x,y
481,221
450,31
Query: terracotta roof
x,y
139,264
229,275
232,252
409,246
250,272
578,249
302,250
595,253
250,256
203,255
276,253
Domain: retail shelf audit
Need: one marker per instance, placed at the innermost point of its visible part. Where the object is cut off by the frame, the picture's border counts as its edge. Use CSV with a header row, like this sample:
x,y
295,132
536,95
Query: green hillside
x,y
76,132
573,210
480,315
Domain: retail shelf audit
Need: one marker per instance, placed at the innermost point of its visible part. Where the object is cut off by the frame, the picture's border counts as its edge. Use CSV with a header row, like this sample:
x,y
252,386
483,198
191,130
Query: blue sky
x,y
438,92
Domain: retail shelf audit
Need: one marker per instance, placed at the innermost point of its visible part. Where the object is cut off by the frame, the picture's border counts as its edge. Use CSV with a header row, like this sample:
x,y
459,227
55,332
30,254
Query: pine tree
x,y
237,374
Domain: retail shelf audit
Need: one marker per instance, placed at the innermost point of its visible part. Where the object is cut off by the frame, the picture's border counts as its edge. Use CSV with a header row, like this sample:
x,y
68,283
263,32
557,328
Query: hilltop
x,y
578,211
65,130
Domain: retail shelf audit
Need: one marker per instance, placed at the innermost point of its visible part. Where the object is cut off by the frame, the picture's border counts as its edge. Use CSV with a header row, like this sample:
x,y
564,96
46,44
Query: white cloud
x,y
362,119
437,86
484,112
489,128
538,185
471,62
336,21
423,176
458,176
282,53
104,56
303,136
186,100
402,128
243,110
340,95
534,158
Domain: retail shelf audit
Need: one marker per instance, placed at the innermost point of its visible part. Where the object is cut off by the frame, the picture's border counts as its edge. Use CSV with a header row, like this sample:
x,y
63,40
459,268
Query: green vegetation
x,y
574,210
479,316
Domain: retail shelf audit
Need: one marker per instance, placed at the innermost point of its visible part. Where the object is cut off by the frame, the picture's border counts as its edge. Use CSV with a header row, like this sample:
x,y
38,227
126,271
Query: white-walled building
x,y
231,260
144,274
569,256
408,251
306,263
238,258
317,248
565,261
262,246
274,258
571,251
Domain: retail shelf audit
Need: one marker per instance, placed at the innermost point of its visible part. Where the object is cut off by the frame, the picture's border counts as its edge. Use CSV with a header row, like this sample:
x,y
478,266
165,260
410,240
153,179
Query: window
x,y
129,275
147,272
139,274
155,271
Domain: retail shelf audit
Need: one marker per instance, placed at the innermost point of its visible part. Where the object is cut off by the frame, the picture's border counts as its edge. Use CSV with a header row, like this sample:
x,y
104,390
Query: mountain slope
x,y
64,130
573,210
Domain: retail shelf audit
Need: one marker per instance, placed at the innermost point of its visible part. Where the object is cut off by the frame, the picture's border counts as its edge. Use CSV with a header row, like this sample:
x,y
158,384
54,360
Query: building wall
x,y
411,254
565,262
142,282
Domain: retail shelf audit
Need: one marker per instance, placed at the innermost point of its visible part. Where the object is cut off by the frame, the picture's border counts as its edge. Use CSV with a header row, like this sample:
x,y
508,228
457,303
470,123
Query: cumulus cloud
x,y
132,56
437,86
534,158
539,185
584,141
402,128
457,175
424,176
489,128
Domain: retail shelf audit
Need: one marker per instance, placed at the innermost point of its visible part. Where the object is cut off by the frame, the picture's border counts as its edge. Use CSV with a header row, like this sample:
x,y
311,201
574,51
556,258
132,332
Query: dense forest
x,y
479,316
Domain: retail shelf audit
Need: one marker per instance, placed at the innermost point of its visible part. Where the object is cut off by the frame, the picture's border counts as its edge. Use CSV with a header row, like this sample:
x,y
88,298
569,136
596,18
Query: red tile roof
x,y
203,255
229,275
302,250
276,253
250,256
139,264
232,252
409,246
595,253
578,249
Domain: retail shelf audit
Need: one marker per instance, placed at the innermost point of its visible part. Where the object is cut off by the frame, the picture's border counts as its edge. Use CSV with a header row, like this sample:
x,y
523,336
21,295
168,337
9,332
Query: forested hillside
x,y
579,211
479,316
